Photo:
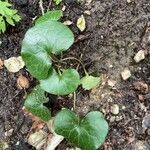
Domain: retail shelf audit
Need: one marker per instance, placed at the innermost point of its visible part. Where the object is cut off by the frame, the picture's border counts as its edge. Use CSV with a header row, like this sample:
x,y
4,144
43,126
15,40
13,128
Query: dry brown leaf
x,y
22,82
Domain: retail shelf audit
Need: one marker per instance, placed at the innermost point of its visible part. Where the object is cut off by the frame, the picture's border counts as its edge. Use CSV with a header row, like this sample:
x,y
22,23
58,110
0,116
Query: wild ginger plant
x,y
46,38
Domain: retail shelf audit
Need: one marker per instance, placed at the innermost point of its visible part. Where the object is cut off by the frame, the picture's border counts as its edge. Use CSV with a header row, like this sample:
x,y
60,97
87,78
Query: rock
x,y
126,74
115,109
146,122
14,64
22,2
68,23
140,55
128,1
111,83
87,12
112,118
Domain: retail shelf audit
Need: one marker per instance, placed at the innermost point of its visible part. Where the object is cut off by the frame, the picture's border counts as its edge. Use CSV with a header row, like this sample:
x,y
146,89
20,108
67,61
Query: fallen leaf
x,y
22,82
81,23
14,64
37,139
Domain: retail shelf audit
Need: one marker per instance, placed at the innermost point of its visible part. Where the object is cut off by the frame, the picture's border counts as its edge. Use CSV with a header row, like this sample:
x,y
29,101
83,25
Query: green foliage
x,y
50,15
47,38
89,82
7,15
34,103
40,41
63,83
57,2
87,134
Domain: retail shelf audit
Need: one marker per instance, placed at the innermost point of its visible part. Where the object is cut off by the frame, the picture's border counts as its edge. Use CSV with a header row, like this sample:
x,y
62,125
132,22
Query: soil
x,y
116,31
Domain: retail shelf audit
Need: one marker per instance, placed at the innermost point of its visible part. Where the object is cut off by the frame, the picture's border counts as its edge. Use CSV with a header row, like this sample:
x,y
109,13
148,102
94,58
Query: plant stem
x,y
73,58
41,6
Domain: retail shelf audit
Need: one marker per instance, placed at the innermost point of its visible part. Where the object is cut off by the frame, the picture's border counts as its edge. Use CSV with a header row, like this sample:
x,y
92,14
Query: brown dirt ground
x,y
115,31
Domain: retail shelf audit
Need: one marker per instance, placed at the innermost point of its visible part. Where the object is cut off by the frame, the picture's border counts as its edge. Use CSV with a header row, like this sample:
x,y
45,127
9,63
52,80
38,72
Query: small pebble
x,y
87,12
128,1
115,109
140,55
126,74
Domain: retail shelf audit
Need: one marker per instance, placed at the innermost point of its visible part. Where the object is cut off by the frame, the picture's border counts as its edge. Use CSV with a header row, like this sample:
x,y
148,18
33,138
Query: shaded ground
x,y
116,30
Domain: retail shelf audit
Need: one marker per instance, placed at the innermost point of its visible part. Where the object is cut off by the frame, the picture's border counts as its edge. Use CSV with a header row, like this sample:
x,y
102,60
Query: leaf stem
x,y
73,58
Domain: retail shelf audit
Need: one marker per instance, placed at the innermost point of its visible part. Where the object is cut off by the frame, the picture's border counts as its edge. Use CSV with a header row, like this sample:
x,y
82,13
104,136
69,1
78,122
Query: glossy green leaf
x,y
50,15
61,84
87,134
34,104
89,82
42,40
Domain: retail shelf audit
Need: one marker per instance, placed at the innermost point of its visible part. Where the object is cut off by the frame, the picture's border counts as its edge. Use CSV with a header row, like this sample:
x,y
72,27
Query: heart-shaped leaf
x,y
89,82
87,134
34,104
61,84
41,40
50,15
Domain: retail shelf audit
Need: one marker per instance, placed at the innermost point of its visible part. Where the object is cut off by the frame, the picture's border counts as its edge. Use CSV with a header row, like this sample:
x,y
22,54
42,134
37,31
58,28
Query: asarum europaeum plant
x,y
46,38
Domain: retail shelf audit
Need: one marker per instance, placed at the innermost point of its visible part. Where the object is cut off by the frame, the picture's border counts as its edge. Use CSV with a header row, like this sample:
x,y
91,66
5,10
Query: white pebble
x,y
126,74
115,109
140,55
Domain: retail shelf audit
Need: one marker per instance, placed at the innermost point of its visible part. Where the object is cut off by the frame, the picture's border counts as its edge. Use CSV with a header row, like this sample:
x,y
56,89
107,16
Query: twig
x,y
50,2
73,58
41,6
74,100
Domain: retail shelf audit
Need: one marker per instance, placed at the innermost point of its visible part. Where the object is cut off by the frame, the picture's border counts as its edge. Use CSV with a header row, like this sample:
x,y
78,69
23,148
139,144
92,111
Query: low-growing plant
x,y
7,15
47,38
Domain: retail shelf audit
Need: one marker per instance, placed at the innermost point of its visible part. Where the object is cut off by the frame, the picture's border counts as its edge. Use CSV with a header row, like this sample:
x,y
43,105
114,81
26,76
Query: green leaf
x,y
57,2
10,20
34,104
42,40
89,82
61,84
87,134
2,25
50,15
8,15
16,18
